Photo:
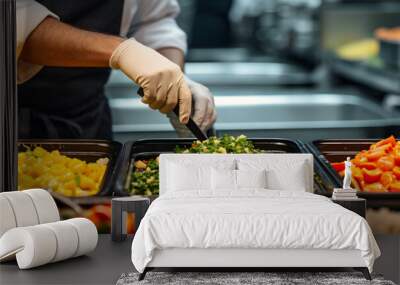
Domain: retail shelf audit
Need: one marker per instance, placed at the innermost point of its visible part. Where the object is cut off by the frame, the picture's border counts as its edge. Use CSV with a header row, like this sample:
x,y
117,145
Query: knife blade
x,y
191,125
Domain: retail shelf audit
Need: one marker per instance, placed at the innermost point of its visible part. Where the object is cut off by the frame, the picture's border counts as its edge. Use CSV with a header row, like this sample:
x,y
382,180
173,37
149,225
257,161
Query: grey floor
x,y
110,260
103,266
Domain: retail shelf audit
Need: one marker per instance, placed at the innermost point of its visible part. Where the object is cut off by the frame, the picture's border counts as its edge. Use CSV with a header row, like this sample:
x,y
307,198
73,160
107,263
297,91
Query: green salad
x,y
226,144
145,180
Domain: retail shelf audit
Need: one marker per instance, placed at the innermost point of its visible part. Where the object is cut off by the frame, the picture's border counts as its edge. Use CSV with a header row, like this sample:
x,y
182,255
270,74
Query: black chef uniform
x,y
70,102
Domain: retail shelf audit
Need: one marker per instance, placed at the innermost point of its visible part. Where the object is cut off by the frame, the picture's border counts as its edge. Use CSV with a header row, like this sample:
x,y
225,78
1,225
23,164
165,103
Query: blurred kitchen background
x,y
299,69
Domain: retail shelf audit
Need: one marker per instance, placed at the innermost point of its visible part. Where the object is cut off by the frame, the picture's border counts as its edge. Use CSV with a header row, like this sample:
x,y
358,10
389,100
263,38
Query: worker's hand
x,y
162,80
204,113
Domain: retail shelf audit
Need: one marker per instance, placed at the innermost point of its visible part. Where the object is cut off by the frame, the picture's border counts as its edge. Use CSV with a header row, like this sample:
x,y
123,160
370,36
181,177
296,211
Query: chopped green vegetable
x,y
226,144
145,180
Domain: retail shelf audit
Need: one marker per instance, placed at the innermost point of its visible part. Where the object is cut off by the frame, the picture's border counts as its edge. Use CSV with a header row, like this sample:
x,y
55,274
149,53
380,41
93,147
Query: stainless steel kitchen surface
x,y
231,54
247,73
238,74
262,112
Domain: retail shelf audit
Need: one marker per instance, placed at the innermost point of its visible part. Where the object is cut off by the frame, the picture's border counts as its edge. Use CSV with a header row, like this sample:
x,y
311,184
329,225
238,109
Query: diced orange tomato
x,y
395,187
357,173
374,187
360,157
367,165
386,163
338,166
357,184
396,155
386,148
362,185
396,172
391,140
387,178
375,154
371,176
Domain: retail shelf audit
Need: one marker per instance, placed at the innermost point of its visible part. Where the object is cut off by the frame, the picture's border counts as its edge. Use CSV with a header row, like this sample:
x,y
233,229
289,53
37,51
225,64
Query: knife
x,y
191,125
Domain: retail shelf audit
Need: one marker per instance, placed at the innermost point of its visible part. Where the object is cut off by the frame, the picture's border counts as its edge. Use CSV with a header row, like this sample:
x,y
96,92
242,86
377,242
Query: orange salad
x,y
376,169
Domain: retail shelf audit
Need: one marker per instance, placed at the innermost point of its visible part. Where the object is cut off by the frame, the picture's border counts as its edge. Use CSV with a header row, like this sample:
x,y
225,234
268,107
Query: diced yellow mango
x,y
87,183
52,170
140,164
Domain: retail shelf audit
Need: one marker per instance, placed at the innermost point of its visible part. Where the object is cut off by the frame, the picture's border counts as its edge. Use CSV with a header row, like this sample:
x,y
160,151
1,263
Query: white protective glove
x,y
203,109
162,80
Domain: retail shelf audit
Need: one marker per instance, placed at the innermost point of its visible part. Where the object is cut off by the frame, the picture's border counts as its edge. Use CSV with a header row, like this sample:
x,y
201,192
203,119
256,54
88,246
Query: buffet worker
x,y
66,48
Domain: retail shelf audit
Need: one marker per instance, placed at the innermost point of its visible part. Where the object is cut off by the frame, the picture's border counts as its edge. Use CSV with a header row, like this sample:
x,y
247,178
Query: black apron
x,y
70,102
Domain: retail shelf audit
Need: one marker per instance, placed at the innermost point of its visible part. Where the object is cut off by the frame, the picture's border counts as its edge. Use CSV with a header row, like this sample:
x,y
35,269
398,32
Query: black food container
x,y
337,150
86,150
146,149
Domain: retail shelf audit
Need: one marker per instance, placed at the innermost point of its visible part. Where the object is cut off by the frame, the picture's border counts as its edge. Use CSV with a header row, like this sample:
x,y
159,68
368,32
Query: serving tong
x,y
191,125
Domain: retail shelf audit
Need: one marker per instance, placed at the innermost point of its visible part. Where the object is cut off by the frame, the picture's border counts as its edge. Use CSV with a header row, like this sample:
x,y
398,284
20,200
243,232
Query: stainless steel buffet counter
x,y
257,111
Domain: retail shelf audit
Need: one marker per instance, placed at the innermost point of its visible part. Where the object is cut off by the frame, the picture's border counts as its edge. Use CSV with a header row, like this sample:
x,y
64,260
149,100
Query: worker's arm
x,y
203,112
54,43
154,25
174,54
29,14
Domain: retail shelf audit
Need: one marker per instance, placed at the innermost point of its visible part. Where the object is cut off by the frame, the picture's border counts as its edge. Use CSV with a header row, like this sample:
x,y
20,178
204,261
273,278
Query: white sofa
x,y
31,231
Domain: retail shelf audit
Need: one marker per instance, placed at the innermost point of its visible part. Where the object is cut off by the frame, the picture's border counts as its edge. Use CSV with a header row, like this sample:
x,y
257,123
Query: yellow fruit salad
x,y
72,177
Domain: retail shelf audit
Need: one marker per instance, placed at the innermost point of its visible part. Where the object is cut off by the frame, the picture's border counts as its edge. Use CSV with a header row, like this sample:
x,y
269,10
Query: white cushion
x,y
23,208
67,240
7,218
223,179
40,244
251,178
292,172
173,168
183,177
293,180
227,179
45,206
87,235
32,246
26,208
